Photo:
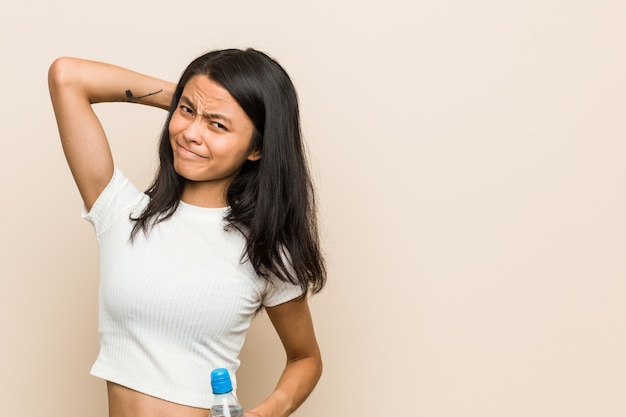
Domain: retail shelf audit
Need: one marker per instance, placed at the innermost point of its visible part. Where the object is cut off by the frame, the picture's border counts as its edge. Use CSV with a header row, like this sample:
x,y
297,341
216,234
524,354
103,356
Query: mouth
x,y
186,152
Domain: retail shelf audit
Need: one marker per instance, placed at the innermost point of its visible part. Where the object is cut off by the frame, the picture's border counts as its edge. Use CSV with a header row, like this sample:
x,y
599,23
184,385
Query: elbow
x,y
319,364
317,367
310,365
320,368
61,72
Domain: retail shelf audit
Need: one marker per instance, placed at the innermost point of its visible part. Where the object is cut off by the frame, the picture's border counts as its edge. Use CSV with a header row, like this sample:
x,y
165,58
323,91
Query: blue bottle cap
x,y
220,381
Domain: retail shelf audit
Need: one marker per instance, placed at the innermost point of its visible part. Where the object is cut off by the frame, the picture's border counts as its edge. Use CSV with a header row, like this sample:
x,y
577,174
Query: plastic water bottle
x,y
225,404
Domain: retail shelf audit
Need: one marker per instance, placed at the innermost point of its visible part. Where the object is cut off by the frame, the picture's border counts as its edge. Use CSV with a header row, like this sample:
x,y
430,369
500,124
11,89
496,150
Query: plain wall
x,y
469,158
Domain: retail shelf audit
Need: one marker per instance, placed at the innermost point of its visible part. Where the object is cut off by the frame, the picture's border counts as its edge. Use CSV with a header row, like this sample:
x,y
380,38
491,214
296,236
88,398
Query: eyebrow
x,y
214,116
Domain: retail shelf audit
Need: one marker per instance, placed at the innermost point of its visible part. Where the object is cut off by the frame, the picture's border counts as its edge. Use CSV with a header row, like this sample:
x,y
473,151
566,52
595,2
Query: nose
x,y
193,131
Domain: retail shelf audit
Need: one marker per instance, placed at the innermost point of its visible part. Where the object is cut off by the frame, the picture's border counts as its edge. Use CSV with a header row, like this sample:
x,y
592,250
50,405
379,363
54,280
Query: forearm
x,y
100,82
294,386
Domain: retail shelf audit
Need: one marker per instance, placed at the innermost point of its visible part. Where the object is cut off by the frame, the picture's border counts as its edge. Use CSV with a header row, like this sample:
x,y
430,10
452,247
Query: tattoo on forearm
x,y
131,97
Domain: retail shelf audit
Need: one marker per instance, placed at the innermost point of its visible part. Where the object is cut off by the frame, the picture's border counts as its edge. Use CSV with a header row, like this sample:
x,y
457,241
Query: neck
x,y
204,195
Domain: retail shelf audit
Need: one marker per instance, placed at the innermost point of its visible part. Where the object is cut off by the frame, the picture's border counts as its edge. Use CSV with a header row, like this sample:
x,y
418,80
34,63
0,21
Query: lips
x,y
186,152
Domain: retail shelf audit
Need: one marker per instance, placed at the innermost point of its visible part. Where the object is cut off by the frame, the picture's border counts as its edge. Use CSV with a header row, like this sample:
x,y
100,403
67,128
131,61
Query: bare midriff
x,y
125,402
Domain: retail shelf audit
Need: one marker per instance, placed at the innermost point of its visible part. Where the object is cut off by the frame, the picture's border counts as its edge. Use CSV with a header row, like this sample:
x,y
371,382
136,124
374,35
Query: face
x,y
210,134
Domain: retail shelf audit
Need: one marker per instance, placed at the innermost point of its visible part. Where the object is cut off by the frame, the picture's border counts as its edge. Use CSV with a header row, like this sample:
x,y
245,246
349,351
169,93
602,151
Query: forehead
x,y
205,93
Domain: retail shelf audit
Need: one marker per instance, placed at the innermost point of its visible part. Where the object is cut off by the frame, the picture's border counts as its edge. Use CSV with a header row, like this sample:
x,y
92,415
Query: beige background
x,y
469,157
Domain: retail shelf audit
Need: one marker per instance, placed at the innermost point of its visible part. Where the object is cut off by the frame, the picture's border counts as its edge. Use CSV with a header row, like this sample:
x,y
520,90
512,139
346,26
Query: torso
x,y
125,402
170,313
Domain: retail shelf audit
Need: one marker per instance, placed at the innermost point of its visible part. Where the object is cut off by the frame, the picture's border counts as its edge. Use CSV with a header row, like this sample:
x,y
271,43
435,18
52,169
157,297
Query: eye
x,y
185,109
219,126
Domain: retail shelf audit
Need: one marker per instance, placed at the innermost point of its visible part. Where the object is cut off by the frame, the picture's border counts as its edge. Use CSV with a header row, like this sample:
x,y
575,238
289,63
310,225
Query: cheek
x,y
229,149
177,124
172,126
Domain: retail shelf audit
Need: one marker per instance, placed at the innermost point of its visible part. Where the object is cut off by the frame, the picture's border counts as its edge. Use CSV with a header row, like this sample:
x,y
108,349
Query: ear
x,y
255,155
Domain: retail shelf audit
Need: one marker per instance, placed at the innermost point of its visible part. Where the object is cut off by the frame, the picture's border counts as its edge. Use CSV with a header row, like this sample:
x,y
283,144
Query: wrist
x,y
277,404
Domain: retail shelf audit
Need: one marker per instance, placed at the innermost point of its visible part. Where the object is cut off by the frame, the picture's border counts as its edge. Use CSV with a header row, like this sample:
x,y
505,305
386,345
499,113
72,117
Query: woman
x,y
227,227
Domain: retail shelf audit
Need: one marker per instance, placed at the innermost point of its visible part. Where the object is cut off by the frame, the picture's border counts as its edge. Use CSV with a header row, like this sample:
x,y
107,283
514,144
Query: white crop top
x,y
176,304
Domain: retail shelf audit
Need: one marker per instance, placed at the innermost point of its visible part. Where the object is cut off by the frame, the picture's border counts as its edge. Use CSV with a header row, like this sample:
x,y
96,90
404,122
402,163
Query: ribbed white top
x,y
176,304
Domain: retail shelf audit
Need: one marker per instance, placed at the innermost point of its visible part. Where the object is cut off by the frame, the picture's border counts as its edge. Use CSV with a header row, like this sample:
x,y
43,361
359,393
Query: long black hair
x,y
271,200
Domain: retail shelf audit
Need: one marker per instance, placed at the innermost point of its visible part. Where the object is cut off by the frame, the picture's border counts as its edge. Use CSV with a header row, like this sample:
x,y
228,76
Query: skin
x,y
210,138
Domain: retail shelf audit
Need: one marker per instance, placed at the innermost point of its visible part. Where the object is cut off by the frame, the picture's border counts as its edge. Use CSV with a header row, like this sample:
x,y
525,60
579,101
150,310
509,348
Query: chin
x,y
187,173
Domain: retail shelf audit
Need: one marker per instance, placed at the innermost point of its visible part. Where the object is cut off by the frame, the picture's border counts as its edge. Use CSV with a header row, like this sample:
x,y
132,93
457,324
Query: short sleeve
x,y
278,292
115,199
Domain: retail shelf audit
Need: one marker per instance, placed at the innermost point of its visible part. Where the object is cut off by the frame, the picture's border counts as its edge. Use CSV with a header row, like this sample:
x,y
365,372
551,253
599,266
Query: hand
x,y
250,414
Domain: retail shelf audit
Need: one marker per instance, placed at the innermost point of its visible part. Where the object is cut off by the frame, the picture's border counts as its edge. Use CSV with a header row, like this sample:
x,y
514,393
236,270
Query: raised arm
x,y
75,85
293,323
